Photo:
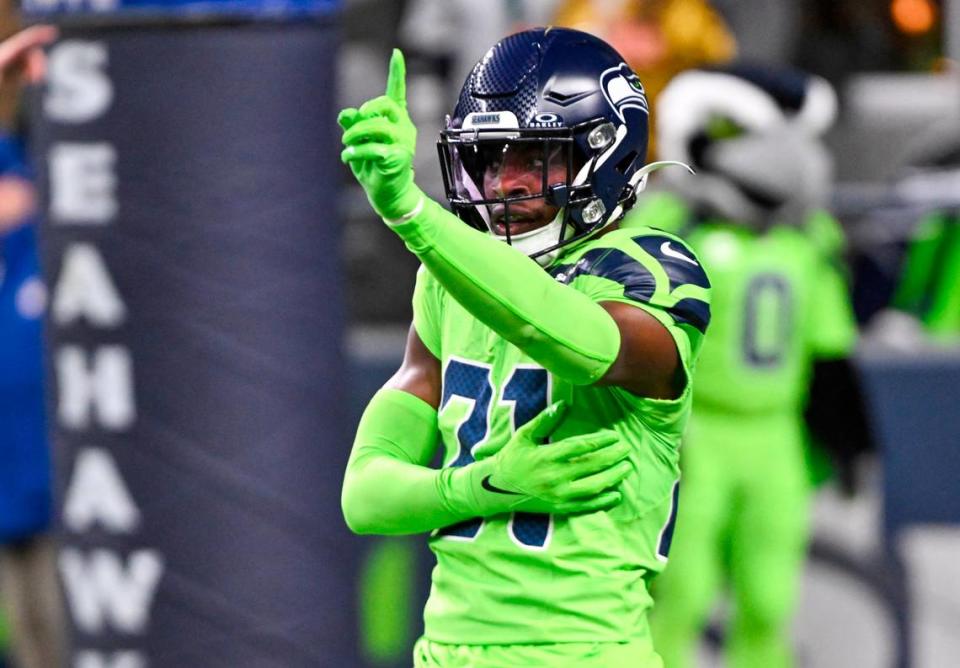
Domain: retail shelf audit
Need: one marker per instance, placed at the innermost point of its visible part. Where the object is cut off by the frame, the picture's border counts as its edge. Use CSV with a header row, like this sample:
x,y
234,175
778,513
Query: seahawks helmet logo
x,y
622,88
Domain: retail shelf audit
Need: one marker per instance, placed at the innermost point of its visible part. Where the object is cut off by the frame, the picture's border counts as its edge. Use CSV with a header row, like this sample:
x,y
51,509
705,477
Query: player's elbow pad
x,y
374,497
356,512
357,515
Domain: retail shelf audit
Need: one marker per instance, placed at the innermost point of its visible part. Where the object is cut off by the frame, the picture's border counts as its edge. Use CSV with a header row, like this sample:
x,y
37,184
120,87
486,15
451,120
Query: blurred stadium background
x,y
243,303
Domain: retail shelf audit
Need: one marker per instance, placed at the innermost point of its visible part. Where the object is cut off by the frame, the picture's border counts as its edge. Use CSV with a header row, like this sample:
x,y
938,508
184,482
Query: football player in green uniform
x,y
929,280
550,352
780,306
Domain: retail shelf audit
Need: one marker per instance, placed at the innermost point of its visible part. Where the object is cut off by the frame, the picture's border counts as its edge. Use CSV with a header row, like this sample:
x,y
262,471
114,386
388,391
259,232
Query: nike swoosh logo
x,y
669,252
487,485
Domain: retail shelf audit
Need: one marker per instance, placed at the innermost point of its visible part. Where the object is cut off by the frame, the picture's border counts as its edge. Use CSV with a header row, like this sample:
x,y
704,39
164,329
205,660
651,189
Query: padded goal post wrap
x,y
190,179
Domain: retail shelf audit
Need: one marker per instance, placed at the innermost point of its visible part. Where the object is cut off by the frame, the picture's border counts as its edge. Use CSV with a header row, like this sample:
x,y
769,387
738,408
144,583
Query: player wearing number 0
x,y
550,351
782,310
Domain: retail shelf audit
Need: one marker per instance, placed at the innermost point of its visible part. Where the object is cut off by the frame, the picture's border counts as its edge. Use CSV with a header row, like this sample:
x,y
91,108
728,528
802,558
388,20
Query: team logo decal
x,y
490,120
486,119
623,90
546,119
670,252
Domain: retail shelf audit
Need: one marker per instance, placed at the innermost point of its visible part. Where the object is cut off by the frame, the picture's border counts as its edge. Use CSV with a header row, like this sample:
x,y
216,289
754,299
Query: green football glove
x,y
389,489
573,475
380,141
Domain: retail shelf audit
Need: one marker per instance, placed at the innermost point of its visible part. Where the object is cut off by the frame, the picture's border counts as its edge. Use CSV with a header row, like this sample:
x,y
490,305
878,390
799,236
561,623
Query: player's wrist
x,y
405,208
418,223
470,490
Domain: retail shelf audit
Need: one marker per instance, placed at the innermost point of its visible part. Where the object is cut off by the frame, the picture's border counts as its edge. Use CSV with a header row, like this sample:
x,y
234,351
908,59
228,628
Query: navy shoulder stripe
x,y
639,284
681,268
613,264
676,259
692,312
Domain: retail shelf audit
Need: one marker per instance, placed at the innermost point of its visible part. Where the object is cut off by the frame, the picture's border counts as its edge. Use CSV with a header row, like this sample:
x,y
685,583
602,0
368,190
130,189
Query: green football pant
x,y
636,654
742,521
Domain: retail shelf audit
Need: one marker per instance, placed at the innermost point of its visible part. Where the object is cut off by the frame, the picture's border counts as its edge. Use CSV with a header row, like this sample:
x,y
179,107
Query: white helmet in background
x,y
753,135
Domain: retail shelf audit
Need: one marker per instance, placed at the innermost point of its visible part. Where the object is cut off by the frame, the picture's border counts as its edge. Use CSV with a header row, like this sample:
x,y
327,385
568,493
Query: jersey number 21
x,y
525,394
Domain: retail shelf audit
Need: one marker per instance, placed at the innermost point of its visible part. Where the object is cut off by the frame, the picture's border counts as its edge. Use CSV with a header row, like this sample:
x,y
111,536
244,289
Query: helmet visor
x,y
494,170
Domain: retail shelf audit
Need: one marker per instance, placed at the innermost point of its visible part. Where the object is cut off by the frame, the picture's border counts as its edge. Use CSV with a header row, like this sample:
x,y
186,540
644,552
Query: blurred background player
x,y
927,287
781,310
28,585
543,556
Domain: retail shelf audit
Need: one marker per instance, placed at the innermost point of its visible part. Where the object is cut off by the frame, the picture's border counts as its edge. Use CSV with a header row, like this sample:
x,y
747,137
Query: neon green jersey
x,y
779,301
930,279
525,578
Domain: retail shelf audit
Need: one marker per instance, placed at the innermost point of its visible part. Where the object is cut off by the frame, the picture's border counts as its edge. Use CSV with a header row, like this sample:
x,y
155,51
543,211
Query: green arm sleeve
x,y
388,488
563,330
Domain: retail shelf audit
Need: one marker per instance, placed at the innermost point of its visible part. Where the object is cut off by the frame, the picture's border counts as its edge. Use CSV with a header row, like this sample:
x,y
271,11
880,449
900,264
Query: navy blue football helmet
x,y
563,104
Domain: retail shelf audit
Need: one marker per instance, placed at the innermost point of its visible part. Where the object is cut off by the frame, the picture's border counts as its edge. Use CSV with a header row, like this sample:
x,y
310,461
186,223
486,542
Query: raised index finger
x,y
396,79
15,47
